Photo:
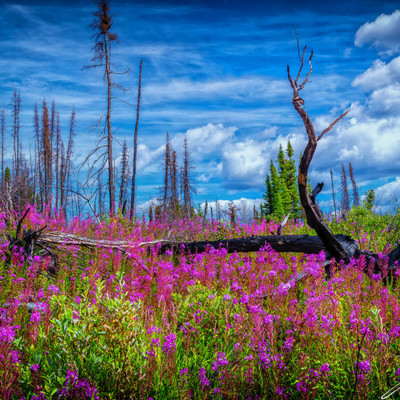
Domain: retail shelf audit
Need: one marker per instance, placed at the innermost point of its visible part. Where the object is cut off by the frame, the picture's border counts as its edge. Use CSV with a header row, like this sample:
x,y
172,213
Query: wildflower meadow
x,y
140,325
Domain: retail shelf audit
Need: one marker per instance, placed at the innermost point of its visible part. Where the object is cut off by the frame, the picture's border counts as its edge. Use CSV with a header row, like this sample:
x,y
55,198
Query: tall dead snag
x,y
333,194
57,159
345,193
133,190
102,48
187,181
2,141
312,211
356,199
46,152
124,176
167,163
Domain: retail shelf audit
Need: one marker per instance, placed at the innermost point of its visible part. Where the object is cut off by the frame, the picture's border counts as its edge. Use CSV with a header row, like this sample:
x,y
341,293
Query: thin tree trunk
x,y
111,186
333,194
133,190
3,130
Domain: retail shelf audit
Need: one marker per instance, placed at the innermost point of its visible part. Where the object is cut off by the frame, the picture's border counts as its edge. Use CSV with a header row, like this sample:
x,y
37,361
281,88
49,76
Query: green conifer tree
x,y
277,204
267,206
291,180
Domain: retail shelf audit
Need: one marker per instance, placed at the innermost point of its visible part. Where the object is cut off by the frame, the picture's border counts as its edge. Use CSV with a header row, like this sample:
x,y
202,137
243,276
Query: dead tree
x,y
102,58
133,189
333,194
124,176
356,199
345,193
2,141
187,181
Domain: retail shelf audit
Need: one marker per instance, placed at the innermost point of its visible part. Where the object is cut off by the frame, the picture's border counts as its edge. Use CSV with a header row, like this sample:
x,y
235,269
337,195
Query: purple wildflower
x,y
204,382
169,344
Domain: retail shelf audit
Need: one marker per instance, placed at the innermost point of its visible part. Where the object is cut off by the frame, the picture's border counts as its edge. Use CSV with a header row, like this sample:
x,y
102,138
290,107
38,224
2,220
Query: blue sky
x,y
216,71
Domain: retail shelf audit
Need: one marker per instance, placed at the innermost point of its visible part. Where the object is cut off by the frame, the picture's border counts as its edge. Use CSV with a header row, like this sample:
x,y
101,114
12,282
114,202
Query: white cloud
x,y
243,88
386,101
206,139
387,196
244,164
383,33
379,75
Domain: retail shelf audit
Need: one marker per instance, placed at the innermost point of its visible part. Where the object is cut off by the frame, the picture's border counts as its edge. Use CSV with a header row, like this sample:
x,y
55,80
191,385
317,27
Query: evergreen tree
x,y
291,179
281,186
267,206
277,205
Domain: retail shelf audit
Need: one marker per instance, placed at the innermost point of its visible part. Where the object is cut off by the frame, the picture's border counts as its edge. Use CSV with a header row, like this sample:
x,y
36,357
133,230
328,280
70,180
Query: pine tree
x,y
291,180
267,206
277,204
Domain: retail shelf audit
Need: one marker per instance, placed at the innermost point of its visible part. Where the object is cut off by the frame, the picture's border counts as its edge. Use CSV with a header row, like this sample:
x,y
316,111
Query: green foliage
x,y
7,175
98,337
281,192
370,199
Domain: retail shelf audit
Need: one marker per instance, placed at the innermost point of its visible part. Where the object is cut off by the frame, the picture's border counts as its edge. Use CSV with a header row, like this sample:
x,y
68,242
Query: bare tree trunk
x,y
68,159
57,160
345,193
333,194
38,183
46,152
356,200
124,176
167,163
133,190
174,185
187,189
2,143
312,211
111,186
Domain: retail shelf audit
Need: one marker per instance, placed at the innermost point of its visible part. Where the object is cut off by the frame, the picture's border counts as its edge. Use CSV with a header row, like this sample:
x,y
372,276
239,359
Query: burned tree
x,y
345,193
102,58
133,189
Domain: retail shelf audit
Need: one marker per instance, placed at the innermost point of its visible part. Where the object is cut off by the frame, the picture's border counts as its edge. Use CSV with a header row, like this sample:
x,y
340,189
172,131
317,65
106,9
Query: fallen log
x,y
294,244
281,243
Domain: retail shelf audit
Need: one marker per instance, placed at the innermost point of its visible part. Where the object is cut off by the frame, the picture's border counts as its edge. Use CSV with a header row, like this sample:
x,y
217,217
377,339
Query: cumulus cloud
x,y
379,75
387,196
244,164
208,138
385,102
383,33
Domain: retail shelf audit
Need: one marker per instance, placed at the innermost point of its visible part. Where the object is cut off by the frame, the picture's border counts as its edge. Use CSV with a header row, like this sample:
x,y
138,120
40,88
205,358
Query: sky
x,y
215,71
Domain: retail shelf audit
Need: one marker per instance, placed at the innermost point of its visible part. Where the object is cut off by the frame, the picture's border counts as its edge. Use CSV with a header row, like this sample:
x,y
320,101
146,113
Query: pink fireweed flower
x,y
35,317
7,334
34,367
169,344
204,382
325,368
